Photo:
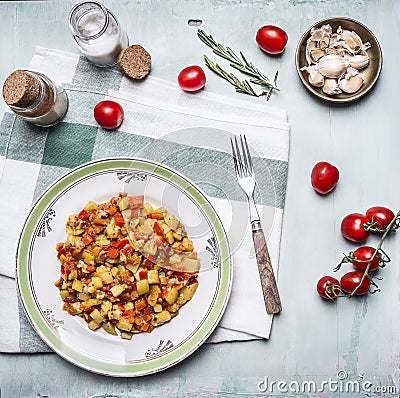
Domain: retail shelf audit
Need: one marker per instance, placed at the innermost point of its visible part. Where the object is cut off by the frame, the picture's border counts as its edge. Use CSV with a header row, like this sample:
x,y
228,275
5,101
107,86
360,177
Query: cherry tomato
x,y
271,39
380,216
353,227
363,255
192,78
351,280
328,287
109,114
324,177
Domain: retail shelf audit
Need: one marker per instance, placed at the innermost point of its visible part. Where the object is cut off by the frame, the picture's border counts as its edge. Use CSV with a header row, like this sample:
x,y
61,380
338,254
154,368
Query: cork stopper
x,y
135,62
21,89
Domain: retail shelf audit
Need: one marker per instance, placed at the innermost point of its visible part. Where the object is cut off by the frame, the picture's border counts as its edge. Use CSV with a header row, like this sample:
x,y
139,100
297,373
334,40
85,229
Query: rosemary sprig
x,y
241,64
240,86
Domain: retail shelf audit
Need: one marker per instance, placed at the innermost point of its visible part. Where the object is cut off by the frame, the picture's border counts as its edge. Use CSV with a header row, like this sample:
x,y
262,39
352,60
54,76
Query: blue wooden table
x,y
312,341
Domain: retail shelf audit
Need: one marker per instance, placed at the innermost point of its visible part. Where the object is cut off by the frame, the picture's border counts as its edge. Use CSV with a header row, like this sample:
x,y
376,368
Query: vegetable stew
x,y
126,267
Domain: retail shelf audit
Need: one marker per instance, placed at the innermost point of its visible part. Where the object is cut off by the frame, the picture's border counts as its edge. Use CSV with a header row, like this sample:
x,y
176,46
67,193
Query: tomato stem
x,y
384,258
346,259
389,228
330,291
371,226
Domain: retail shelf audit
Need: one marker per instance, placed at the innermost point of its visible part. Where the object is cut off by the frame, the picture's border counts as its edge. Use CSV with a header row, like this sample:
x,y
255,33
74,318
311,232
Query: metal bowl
x,y
370,73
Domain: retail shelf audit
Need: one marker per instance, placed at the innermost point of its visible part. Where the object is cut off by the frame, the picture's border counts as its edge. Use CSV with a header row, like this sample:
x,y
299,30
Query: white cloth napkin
x,y
204,120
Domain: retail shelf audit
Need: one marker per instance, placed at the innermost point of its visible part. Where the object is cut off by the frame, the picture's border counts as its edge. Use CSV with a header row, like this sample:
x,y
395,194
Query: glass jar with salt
x,y
97,33
35,98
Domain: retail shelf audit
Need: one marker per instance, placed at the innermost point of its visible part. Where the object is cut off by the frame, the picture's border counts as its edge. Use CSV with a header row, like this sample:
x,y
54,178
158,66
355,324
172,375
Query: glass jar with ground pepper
x,y
35,98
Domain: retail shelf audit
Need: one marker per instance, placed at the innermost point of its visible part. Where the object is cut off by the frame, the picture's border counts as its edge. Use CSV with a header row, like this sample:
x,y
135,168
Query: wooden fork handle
x,y
268,283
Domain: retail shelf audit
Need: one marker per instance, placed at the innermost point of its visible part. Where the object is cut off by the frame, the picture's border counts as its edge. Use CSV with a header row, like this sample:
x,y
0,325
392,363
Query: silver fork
x,y
246,178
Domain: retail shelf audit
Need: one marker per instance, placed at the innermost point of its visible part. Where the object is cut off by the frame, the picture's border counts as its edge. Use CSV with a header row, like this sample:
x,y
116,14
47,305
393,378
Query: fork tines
x,y
241,156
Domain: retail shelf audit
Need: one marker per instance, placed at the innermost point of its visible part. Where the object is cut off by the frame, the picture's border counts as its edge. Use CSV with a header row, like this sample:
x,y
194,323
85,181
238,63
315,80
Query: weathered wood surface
x,y
311,340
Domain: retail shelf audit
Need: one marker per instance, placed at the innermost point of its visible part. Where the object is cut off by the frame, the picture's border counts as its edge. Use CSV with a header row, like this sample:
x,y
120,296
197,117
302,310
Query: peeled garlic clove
x,y
331,87
352,40
332,66
358,61
351,81
315,78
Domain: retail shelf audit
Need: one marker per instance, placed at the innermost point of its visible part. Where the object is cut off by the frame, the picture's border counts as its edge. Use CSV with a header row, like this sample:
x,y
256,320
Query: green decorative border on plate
x,y
42,327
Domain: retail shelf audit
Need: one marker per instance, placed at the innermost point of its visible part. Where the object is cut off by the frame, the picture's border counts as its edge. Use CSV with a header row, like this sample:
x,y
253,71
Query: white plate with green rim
x,y
38,268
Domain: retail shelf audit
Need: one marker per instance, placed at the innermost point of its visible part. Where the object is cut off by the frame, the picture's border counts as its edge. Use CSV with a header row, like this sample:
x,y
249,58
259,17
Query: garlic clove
x,y
331,87
352,39
311,46
351,85
332,66
316,55
315,78
358,61
351,81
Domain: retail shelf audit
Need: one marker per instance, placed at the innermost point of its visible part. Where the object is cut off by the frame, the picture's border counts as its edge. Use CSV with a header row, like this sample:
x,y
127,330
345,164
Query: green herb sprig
x,y
241,64
240,86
